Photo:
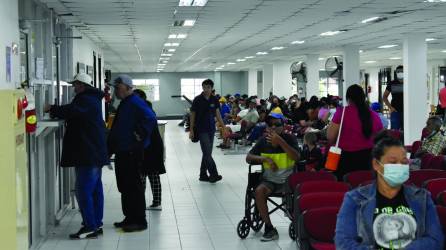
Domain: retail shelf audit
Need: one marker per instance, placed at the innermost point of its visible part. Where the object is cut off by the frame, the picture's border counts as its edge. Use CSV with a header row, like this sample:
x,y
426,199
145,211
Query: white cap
x,y
83,78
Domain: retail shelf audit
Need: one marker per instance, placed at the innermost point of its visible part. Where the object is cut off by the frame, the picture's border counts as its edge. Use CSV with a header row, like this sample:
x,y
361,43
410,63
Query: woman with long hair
x,y
356,137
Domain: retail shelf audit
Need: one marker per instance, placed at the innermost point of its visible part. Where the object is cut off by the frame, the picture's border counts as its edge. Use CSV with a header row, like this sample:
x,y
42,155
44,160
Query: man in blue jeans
x,y
84,148
205,108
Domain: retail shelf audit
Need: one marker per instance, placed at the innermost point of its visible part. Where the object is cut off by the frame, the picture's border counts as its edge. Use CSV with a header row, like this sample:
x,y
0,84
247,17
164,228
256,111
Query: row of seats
x,y
318,197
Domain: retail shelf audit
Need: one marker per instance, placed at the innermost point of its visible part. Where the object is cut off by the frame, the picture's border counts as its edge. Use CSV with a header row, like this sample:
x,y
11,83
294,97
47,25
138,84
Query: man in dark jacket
x,y
85,149
128,138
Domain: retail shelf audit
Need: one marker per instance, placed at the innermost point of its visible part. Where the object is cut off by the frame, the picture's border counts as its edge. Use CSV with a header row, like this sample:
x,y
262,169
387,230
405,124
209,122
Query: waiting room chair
x,y
418,177
301,177
321,186
356,178
435,186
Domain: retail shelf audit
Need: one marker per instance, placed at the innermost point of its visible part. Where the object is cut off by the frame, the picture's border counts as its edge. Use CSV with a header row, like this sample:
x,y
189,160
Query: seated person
x,y
257,130
224,108
311,153
435,142
377,108
277,152
388,214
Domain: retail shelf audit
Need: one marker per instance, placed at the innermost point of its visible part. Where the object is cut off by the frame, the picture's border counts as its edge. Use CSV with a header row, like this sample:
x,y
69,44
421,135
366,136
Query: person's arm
x,y
76,108
254,157
332,133
346,235
278,140
386,100
147,120
192,124
433,234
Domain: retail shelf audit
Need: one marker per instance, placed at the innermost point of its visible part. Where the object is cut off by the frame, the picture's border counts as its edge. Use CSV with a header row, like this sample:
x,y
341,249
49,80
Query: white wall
x,y
9,18
83,52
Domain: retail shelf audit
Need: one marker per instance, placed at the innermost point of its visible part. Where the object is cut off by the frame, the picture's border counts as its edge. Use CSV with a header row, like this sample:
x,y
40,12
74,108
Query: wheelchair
x,y
252,219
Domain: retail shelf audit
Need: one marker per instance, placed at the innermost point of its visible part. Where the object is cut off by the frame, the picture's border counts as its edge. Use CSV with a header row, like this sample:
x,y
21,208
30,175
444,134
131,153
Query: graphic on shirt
x,y
394,230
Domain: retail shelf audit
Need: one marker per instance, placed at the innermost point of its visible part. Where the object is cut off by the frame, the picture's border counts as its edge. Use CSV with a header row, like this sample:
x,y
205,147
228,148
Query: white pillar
x,y
282,85
415,88
252,82
312,76
268,79
350,68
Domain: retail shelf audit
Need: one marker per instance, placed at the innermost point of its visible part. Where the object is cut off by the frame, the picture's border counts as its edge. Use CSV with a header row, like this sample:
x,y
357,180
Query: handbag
x,y
334,154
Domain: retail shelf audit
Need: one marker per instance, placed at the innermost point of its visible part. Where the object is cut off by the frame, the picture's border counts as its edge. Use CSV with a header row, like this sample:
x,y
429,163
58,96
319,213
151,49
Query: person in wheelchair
x,y
277,152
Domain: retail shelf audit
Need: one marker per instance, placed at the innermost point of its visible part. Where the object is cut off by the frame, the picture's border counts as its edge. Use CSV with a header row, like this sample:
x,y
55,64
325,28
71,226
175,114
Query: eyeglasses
x,y
275,124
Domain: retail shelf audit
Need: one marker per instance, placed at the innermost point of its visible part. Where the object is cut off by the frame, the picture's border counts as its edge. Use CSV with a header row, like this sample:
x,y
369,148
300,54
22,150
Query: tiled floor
x,y
195,215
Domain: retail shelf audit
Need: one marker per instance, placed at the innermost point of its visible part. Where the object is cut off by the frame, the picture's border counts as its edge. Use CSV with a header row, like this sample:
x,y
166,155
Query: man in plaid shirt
x,y
435,142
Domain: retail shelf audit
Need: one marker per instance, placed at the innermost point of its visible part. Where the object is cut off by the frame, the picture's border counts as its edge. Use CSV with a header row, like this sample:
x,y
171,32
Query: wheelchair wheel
x,y
243,228
292,231
256,221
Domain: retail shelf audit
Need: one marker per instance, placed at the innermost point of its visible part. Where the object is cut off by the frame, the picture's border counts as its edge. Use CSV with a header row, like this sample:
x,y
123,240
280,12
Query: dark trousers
x,y
353,161
155,185
397,120
90,196
130,185
207,163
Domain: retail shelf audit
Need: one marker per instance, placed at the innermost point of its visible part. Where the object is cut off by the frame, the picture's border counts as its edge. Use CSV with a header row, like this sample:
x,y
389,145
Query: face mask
x,y
400,75
395,174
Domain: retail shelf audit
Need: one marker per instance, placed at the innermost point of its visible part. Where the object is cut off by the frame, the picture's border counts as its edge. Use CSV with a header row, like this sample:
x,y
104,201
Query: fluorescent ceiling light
x,y
370,62
321,58
387,46
161,64
231,63
332,33
241,60
262,53
370,19
443,51
321,69
361,51
171,50
166,54
435,1
171,44
250,57
189,23
430,39
197,3
277,48
181,36
164,58
172,36
297,42
164,62
222,66
395,58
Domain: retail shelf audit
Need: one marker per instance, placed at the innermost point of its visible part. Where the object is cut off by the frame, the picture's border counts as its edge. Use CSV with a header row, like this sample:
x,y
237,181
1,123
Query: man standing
x,y
84,148
129,136
204,110
396,106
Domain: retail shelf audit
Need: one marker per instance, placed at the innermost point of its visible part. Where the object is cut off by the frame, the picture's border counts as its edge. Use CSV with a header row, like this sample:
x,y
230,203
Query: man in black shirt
x,y
205,108
396,106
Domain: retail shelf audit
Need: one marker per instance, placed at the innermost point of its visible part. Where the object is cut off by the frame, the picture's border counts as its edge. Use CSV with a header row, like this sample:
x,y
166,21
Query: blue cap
x,y
123,79
237,95
376,106
276,115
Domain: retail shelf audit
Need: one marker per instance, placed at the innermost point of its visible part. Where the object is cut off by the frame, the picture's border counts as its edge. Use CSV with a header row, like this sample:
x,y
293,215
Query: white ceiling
x,y
226,30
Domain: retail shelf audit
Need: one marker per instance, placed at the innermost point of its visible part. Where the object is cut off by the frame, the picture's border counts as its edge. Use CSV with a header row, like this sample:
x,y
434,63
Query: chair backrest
x,y
429,161
321,186
317,200
441,211
356,178
415,146
300,177
418,177
435,186
319,224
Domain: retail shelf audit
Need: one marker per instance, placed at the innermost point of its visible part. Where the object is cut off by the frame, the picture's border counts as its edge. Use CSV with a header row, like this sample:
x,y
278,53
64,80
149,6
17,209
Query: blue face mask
x,y
395,174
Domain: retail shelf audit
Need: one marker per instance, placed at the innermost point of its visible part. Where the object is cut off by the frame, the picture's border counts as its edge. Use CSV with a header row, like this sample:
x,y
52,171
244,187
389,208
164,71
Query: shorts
x,y
276,187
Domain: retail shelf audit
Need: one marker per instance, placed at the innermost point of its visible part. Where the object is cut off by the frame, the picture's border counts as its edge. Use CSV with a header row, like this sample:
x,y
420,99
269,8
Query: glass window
x,y
150,86
191,87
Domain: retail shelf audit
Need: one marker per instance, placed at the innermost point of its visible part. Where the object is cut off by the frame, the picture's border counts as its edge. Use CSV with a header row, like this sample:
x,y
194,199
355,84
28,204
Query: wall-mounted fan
x,y
298,72
333,67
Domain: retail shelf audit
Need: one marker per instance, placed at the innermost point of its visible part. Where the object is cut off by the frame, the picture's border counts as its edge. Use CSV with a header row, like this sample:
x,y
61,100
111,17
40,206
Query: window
x,y
150,86
191,87
330,87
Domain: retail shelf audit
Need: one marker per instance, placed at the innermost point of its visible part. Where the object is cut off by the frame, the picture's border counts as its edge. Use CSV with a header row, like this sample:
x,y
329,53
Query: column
x,y
268,78
217,83
350,69
282,85
252,82
312,76
415,88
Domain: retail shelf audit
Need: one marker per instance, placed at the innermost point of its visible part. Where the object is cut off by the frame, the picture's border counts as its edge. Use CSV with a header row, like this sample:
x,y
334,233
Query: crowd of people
x,y
288,135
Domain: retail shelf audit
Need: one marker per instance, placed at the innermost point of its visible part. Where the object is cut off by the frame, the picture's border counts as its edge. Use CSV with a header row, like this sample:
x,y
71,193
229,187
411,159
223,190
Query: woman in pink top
x,y
360,125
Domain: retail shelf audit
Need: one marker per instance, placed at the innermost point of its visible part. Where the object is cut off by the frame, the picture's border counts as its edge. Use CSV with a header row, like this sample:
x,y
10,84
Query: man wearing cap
x,y
129,136
85,149
277,152
224,107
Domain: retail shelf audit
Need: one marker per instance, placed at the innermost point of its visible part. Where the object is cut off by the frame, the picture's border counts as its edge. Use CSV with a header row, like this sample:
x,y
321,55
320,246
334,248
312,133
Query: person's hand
x,y
273,138
47,108
392,109
191,134
272,164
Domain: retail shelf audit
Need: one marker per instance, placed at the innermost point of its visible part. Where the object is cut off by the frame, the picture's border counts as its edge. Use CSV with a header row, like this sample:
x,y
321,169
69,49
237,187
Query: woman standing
x,y
356,138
